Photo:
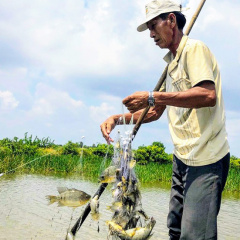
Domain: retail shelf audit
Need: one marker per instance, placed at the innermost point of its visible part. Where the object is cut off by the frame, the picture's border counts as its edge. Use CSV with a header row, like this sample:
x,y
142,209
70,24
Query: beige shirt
x,y
199,135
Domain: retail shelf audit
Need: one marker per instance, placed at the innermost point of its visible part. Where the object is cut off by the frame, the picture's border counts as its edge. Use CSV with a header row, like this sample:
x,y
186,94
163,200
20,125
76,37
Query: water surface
x,y
25,212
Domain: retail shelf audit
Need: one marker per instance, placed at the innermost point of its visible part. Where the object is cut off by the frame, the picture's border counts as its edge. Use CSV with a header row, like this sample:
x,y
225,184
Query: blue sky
x,y
66,65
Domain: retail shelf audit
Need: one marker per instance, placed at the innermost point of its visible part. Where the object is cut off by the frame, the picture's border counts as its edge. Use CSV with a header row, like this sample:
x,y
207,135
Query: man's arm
x,y
201,95
108,125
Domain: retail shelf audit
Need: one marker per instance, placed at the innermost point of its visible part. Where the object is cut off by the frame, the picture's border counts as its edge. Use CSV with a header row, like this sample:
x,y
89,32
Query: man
x,y
193,99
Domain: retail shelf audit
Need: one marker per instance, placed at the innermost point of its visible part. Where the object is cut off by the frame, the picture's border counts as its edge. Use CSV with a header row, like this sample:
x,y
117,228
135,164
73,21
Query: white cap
x,y
157,7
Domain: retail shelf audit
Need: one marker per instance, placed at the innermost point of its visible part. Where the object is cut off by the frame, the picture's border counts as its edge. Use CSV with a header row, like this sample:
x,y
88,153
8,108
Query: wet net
x,y
129,220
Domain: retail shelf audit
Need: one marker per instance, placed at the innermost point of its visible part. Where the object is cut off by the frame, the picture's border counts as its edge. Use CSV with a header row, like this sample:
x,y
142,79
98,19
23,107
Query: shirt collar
x,y
169,56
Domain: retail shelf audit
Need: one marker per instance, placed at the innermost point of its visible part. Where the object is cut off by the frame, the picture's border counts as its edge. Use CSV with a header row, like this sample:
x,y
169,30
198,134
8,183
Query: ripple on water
x,y
25,213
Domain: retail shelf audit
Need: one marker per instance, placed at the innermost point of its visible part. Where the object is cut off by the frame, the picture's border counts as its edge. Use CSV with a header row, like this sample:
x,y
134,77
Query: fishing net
x,y
126,206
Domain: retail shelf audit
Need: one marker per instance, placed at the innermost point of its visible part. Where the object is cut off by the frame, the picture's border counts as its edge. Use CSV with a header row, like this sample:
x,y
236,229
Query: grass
x,y
90,168
233,180
53,164
154,172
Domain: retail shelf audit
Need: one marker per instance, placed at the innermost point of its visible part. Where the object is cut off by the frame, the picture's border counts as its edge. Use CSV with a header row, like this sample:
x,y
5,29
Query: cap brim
x,y
142,27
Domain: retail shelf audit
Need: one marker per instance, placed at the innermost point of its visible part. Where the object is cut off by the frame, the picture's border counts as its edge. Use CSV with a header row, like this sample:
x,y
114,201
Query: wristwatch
x,y
151,101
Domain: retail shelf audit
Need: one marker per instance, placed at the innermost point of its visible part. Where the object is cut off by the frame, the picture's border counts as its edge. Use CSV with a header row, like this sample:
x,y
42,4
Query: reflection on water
x,y
25,213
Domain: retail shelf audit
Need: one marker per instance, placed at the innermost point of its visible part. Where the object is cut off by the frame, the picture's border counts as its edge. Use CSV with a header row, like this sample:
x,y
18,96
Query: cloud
x,y
67,65
100,112
65,43
109,106
7,101
49,101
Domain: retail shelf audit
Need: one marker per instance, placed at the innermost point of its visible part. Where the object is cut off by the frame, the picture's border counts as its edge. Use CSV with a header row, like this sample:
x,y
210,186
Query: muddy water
x,y
25,213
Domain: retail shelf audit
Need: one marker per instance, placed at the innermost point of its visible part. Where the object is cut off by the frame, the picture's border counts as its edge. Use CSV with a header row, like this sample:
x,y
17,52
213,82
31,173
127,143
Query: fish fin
x,y
62,189
51,199
61,205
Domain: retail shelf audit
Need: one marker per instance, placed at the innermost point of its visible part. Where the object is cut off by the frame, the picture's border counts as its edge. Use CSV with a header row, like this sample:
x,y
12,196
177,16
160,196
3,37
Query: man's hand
x,y
106,127
136,101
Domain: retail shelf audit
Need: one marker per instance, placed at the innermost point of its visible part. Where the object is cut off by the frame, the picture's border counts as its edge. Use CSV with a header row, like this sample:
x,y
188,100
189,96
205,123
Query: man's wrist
x,y
151,100
118,119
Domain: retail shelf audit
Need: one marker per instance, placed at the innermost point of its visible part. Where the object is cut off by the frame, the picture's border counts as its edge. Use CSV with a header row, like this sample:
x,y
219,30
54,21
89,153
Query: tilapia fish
x,y
138,233
109,175
69,197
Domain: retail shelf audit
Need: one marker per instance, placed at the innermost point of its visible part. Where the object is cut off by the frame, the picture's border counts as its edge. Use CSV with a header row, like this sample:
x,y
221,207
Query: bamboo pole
x,y
194,17
102,187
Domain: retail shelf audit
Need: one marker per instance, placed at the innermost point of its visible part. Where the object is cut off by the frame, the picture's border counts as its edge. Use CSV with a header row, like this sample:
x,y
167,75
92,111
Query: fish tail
x,y
51,199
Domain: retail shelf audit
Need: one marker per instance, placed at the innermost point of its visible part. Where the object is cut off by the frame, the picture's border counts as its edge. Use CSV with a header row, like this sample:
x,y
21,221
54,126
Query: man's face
x,y
161,32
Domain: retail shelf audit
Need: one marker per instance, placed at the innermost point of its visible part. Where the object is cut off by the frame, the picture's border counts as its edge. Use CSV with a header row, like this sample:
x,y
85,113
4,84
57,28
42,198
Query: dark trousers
x,y
195,199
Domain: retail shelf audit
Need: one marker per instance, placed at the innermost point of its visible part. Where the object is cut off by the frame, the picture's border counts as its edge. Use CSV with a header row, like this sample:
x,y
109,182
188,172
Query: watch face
x,y
151,101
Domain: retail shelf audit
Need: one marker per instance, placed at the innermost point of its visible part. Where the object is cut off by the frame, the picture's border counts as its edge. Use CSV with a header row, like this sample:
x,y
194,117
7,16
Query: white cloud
x,y
213,17
14,79
65,61
64,42
50,101
7,101
100,113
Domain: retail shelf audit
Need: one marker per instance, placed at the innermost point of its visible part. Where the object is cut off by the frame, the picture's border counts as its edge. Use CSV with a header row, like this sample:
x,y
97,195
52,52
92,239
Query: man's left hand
x,y
136,101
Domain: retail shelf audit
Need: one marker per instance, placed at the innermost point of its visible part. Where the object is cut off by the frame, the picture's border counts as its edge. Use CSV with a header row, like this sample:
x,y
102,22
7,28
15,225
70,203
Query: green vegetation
x,y
34,155
154,153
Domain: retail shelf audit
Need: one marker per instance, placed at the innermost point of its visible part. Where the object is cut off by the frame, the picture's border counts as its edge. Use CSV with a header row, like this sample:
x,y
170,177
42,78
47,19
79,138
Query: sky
x,y
66,65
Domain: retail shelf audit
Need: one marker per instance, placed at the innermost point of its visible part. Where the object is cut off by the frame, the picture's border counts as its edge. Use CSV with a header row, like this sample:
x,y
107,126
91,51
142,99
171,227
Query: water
x,y
25,213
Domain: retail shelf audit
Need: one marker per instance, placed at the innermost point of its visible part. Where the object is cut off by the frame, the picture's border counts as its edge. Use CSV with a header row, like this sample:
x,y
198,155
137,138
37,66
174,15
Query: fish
x,y
116,206
69,197
108,175
138,233
122,217
114,226
133,193
123,184
94,205
141,233
117,145
132,164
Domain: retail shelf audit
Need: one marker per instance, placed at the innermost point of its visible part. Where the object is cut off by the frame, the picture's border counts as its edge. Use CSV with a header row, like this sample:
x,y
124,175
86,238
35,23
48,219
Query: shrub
x,y
26,146
153,153
103,149
234,162
70,148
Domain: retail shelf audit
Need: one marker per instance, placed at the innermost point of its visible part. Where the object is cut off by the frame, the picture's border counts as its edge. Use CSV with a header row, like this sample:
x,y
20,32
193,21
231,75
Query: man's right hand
x,y
106,127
